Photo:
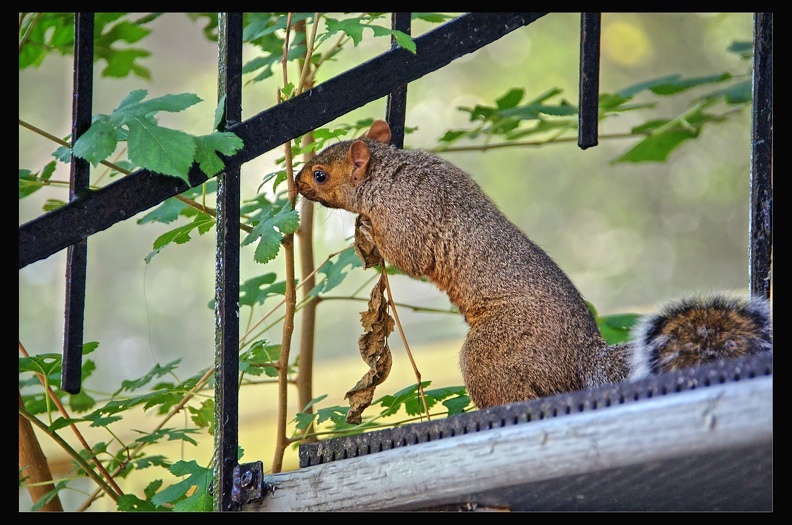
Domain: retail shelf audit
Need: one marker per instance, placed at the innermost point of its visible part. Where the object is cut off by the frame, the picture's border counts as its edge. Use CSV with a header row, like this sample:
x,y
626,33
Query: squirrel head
x,y
332,177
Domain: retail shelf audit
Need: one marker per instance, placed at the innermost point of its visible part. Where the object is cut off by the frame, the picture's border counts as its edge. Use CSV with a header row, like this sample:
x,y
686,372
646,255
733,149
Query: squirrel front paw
x,y
364,243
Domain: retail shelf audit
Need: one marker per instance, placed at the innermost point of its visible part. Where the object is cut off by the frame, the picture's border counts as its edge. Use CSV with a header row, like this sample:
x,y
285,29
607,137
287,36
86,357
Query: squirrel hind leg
x,y
698,330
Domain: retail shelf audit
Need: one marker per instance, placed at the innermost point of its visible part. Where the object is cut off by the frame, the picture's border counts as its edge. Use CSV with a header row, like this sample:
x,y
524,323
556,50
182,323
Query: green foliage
x,y
332,420
616,328
197,481
44,33
270,228
202,222
262,358
163,150
264,31
30,182
335,271
109,413
549,117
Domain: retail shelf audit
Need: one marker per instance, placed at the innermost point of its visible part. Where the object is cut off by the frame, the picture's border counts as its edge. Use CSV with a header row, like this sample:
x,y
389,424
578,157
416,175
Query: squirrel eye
x,y
319,176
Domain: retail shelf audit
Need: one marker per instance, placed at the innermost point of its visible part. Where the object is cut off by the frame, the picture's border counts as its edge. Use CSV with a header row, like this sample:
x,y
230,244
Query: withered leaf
x,y
374,350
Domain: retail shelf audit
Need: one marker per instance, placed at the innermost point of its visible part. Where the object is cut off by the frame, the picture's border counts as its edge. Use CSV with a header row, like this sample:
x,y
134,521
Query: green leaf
x,y
46,33
435,18
166,212
203,417
249,290
743,48
203,222
456,405
30,182
173,103
98,142
63,422
352,27
335,271
303,420
122,63
81,402
672,84
156,371
197,476
131,503
616,328
263,355
225,142
738,93
270,230
44,364
52,204
173,434
151,461
404,40
49,496
314,401
656,148
510,99
163,150
219,119
532,111
335,414
407,397
451,136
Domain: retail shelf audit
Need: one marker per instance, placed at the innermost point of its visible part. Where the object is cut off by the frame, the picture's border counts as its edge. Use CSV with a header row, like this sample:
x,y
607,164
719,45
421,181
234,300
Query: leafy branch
x,y
549,118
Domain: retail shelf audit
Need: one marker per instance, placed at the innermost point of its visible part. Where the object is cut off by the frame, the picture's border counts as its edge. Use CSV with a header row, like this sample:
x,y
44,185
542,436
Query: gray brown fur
x,y
531,333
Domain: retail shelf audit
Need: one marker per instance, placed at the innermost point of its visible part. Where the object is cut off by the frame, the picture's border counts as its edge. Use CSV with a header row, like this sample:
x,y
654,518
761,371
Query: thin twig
x,y
404,340
77,433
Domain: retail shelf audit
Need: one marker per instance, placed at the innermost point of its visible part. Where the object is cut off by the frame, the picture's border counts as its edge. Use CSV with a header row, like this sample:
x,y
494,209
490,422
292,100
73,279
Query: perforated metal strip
x,y
743,369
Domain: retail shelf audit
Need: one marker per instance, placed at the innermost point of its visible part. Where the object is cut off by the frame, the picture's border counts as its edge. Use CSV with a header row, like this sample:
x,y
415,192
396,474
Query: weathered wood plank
x,y
455,470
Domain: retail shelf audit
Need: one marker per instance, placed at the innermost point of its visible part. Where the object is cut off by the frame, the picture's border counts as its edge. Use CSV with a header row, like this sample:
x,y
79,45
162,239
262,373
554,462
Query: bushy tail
x,y
698,330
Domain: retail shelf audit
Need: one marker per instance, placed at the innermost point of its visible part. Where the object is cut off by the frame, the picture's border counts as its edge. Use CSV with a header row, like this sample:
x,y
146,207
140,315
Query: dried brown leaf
x,y
374,350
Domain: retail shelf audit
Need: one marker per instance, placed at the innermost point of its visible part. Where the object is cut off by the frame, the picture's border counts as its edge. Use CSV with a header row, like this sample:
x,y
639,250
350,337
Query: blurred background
x,y
629,235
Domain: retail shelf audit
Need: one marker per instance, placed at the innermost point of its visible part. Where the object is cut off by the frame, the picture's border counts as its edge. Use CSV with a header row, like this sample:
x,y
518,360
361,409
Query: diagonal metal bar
x,y
369,81
77,254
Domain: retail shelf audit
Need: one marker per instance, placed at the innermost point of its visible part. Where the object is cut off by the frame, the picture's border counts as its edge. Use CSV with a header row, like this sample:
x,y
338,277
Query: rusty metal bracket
x,y
249,484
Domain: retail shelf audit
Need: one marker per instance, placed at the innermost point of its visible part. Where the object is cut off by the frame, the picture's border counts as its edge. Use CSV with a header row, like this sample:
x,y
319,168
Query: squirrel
x,y
531,332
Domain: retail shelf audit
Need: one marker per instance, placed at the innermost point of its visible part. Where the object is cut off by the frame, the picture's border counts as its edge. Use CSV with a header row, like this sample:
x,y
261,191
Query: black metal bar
x,y
77,253
396,113
588,113
369,81
227,274
762,157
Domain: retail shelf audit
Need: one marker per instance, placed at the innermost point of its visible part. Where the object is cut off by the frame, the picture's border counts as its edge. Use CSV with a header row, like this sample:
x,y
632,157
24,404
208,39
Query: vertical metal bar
x,y
588,115
396,112
227,274
762,157
77,253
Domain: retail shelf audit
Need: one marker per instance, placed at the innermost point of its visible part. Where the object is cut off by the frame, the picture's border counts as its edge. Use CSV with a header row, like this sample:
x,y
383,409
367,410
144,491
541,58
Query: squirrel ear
x,y
358,156
379,131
